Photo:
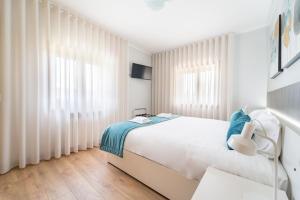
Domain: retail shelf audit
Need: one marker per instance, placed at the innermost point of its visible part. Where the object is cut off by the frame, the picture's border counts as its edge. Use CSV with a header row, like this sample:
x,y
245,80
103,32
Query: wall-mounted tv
x,y
141,71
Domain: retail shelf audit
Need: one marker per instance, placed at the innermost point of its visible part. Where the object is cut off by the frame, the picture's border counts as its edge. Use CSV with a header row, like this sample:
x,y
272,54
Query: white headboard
x,y
285,104
290,159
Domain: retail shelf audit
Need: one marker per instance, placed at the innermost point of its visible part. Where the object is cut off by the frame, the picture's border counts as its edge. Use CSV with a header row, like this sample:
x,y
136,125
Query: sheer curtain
x,y
63,79
194,80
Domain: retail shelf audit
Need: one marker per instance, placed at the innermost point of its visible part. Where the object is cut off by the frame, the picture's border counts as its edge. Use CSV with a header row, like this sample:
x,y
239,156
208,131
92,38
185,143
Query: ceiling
x,y
178,23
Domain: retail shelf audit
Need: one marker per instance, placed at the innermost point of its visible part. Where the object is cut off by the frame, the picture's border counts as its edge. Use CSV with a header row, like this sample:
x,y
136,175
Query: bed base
x,y
165,181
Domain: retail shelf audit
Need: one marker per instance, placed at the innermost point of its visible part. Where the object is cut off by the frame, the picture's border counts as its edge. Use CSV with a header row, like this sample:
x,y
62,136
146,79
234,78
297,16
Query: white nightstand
x,y
219,185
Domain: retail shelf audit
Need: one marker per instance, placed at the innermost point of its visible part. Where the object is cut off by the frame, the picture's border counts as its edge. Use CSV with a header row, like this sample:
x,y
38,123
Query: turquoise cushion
x,y
237,122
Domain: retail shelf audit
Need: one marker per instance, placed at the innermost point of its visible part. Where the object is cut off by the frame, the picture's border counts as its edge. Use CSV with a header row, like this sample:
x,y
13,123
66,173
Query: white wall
x,y
288,77
250,69
139,90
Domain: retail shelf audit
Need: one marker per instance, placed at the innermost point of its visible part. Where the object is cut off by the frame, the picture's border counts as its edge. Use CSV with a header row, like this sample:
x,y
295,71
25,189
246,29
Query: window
x,y
78,85
70,83
196,86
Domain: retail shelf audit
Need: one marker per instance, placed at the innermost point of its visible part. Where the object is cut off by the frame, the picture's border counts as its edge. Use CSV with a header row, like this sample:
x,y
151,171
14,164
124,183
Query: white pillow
x,y
272,127
140,120
166,115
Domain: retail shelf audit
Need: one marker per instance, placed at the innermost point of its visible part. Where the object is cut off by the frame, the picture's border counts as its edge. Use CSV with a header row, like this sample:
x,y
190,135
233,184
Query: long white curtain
x,y
194,80
62,80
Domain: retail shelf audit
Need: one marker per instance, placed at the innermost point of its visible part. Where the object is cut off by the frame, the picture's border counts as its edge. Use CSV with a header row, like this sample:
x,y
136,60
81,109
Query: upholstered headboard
x,y
285,104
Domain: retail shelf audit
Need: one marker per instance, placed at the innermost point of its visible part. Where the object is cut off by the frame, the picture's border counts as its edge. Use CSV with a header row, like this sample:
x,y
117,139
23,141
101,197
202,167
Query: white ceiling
x,y
178,23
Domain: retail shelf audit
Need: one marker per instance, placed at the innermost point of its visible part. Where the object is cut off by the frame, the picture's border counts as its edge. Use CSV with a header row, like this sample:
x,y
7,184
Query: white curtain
x,y
194,80
62,80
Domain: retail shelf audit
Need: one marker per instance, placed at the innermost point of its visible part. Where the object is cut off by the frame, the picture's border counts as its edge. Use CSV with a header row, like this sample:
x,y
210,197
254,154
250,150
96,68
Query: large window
x,y
71,84
76,85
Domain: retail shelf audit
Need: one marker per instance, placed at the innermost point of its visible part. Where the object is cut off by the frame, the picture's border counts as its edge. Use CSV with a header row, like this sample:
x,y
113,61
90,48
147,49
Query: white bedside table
x,y
219,185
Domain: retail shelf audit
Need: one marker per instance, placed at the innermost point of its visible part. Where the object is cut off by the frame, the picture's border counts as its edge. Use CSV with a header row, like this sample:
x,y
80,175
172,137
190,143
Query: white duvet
x,y
189,145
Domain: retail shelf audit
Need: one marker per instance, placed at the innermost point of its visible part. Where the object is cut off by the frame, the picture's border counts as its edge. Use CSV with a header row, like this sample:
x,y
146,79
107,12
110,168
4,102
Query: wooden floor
x,y
84,175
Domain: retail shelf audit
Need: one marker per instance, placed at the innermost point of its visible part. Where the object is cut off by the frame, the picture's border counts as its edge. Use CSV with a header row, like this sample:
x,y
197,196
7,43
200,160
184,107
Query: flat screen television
x,y
141,71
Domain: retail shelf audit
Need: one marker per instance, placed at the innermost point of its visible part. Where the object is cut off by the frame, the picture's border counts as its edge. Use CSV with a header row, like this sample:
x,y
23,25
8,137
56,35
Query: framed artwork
x,y
275,48
290,32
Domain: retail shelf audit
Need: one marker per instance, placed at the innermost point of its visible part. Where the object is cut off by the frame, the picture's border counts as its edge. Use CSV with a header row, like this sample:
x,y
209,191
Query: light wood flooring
x,y
81,176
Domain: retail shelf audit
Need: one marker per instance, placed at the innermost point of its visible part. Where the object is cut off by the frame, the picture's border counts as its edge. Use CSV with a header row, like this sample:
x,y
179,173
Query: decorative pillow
x,y
272,127
237,122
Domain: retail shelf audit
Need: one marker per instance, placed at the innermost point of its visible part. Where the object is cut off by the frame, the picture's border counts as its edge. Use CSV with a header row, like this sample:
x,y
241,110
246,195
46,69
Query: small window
x,y
196,86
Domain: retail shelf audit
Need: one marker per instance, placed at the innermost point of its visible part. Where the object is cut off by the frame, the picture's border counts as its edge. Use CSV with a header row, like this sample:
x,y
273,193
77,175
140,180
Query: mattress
x,y
190,145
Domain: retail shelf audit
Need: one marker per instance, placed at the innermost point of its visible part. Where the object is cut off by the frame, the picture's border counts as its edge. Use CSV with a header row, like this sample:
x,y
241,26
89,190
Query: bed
x,y
172,156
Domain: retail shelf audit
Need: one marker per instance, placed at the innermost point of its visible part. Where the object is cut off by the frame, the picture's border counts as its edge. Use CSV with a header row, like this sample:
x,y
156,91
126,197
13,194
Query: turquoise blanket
x,y
114,136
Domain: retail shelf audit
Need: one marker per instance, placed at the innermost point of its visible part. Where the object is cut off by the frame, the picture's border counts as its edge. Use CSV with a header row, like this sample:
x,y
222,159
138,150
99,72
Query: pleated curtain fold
x,y
62,80
194,80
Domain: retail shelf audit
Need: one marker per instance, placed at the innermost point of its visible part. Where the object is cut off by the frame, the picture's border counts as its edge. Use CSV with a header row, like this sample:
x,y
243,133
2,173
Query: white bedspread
x,y
189,145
